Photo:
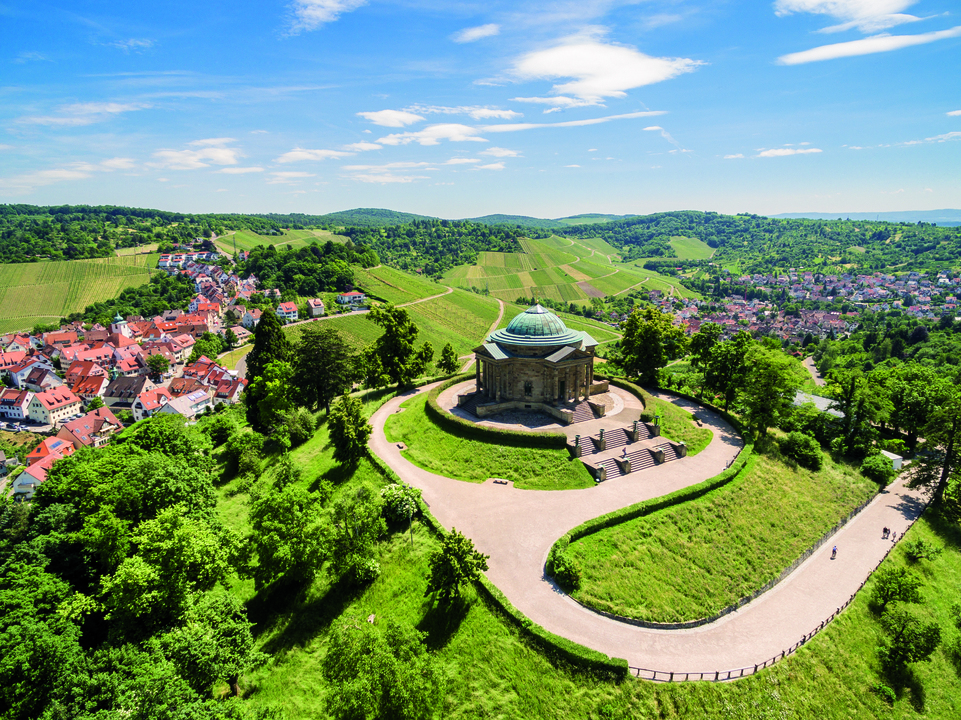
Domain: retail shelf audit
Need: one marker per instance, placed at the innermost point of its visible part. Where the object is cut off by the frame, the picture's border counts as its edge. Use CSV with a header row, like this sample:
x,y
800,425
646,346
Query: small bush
x,y
567,572
287,472
220,429
400,501
803,449
895,445
647,416
920,549
878,468
364,571
300,425
884,692
243,451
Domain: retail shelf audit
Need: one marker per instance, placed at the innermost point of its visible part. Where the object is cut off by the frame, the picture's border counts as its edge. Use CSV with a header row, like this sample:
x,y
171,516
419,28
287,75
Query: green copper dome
x,y
536,326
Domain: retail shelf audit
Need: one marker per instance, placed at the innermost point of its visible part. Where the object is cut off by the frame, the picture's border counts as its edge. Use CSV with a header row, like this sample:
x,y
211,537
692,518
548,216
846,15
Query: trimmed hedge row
x,y
554,646
471,431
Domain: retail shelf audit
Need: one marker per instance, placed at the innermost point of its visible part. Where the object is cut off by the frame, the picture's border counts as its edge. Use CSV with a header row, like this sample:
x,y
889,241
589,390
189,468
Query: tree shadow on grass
x,y
944,523
337,475
442,621
903,680
305,618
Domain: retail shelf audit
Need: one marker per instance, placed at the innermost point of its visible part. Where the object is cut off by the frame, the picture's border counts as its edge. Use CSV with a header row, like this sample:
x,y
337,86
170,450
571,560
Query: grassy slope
x,y
437,450
691,248
45,292
248,239
690,561
678,425
493,672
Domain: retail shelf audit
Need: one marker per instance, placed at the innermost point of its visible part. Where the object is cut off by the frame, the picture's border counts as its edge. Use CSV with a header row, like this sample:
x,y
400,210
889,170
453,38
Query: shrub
x,y
878,468
884,692
400,501
647,416
567,572
803,449
300,425
220,428
243,452
895,445
920,549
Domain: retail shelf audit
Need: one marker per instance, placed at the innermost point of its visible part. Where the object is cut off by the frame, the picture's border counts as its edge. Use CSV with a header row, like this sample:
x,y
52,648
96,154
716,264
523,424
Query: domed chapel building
x,y
535,363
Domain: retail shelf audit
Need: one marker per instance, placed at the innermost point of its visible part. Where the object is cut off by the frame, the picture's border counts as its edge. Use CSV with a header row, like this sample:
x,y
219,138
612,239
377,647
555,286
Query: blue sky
x,y
460,109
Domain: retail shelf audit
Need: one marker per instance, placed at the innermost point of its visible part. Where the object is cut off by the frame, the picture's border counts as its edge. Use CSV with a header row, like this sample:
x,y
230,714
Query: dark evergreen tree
x,y
324,366
270,345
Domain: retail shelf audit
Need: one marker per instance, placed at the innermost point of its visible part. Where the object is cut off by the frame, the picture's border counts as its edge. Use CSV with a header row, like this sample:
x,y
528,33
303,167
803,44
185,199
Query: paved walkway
x,y
517,528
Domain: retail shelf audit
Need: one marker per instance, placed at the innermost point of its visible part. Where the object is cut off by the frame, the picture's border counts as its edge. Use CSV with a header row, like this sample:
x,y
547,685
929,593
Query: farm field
x,y
248,240
559,269
395,286
691,248
45,292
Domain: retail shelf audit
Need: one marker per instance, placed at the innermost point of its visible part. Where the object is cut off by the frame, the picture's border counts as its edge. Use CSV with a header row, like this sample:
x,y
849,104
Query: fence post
x,y
671,678
716,674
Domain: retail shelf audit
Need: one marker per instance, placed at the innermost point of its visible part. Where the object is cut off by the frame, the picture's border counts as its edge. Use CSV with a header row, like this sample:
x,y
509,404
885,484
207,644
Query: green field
x,y
691,560
47,291
560,269
691,248
248,240
395,286
433,448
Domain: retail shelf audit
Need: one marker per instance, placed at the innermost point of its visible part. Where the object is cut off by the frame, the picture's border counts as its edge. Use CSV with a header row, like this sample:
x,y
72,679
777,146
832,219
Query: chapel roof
x,y
536,326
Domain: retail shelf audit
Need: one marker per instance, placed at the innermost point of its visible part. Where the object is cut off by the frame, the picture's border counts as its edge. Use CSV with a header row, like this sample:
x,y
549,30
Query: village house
x,y
122,391
53,406
189,406
27,482
150,401
92,430
19,373
315,307
287,311
41,379
251,318
14,403
51,446
87,388
351,298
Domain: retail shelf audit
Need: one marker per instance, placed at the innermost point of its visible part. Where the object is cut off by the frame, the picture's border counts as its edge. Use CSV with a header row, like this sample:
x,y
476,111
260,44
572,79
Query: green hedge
x,y
472,431
554,646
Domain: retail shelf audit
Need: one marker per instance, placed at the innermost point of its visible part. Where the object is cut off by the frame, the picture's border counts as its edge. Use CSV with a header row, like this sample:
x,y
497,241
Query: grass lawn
x,y
435,449
678,425
493,671
691,248
692,560
230,360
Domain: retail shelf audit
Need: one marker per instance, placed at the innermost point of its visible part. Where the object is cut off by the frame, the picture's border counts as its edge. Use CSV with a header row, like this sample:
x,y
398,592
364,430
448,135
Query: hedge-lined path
x,y
517,528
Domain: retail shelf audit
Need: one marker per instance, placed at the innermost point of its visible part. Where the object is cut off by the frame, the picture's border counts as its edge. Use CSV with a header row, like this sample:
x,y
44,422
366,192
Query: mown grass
x,y
678,425
691,248
433,448
692,560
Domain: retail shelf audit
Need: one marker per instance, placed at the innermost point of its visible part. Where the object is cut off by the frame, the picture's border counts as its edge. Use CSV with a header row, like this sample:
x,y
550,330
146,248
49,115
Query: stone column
x,y
477,379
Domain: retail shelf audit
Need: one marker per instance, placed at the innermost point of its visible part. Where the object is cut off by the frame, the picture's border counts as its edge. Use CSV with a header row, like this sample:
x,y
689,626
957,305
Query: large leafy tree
x,y
380,672
270,345
324,366
356,525
452,565
349,430
940,464
860,401
651,340
915,392
207,345
449,361
270,396
725,366
399,360
287,536
770,384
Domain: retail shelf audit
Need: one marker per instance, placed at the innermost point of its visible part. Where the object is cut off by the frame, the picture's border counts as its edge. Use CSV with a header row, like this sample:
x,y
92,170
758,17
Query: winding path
x,y
492,328
517,528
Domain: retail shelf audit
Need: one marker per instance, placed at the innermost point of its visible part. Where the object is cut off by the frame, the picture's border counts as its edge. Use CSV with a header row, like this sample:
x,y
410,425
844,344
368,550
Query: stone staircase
x,y
471,405
616,464
583,412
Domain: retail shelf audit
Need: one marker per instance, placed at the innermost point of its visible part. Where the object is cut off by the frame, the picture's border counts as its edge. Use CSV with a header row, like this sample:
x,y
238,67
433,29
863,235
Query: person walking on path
x,y
834,552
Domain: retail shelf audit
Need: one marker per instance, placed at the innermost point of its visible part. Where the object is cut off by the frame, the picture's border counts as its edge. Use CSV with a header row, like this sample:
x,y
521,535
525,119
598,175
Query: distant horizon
x,y
548,108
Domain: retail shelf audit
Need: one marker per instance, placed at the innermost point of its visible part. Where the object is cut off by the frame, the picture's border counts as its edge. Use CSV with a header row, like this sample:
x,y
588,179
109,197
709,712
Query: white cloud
x,y
199,154
391,118
514,127
311,14
492,166
572,166
362,146
301,154
462,161
955,113
117,163
387,178
240,170
21,184
500,152
736,156
943,138
592,150
6,147
666,135
599,70
476,33
287,177
865,15
433,134
384,174
78,114
867,46
387,166
26,57
782,152
136,44
474,111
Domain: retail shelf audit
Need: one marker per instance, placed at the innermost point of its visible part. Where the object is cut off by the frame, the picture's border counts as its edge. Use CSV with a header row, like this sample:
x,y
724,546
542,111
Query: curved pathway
x,y
492,328
517,528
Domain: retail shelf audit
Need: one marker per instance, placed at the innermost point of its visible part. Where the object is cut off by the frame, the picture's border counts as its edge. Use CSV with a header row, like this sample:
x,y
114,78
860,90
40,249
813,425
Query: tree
x,y
207,345
942,441
857,398
915,392
650,341
230,339
895,584
270,345
356,524
449,362
910,638
324,366
380,673
158,365
95,403
725,366
456,562
702,342
349,430
770,384
395,348
214,642
269,396
287,536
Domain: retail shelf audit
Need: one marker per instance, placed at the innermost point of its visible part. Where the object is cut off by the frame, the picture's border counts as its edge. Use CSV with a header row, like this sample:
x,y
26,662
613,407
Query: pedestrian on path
x,y
884,535
894,537
834,552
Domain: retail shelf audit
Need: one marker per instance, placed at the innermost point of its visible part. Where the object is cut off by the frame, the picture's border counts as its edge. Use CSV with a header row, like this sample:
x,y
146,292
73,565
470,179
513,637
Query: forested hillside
x,y
760,244
70,232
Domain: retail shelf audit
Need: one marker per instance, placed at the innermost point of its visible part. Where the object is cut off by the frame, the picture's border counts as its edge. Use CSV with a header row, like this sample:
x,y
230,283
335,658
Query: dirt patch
x,y
590,290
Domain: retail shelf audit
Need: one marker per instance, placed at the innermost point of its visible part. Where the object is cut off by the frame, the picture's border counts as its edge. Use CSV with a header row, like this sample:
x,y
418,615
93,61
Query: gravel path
x,y
517,528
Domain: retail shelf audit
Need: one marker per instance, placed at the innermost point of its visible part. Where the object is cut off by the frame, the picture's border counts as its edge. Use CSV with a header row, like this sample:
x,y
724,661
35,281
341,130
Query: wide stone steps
x,y
583,412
